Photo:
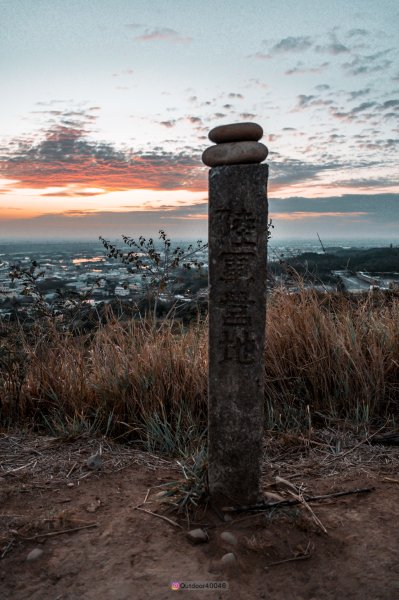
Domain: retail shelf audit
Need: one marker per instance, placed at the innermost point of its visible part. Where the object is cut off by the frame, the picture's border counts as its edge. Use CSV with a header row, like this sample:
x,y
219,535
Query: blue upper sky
x,y
106,108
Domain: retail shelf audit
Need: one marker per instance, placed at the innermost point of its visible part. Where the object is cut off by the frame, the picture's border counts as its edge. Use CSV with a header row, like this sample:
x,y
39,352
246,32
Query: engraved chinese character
x,y
236,305
243,229
239,226
237,266
238,346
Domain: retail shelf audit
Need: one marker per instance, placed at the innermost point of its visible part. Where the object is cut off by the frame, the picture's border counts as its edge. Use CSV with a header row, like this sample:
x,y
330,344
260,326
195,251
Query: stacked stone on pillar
x,y
236,144
238,216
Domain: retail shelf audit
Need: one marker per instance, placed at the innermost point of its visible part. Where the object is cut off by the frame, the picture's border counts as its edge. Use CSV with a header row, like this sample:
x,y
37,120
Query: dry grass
x,y
326,357
337,354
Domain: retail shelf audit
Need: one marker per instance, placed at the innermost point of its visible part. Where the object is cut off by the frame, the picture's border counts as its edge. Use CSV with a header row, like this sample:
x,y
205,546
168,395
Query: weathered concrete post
x,y
238,216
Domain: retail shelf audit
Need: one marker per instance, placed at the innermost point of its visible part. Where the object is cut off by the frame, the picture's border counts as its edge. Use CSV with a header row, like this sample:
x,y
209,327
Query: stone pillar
x,y
238,216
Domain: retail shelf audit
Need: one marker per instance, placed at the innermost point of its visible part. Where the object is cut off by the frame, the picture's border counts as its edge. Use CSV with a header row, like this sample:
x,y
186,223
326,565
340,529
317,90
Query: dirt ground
x,y
94,544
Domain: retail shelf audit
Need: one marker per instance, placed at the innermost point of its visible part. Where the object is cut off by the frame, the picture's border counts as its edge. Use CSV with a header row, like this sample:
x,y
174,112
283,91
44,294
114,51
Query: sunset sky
x,y
106,106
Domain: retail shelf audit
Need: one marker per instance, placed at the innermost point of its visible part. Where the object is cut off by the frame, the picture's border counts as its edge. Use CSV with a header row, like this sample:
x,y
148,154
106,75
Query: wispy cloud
x,y
301,68
296,44
366,65
194,120
334,47
71,192
290,44
124,73
361,183
163,34
357,32
366,110
169,124
381,207
362,107
359,93
390,104
292,171
305,101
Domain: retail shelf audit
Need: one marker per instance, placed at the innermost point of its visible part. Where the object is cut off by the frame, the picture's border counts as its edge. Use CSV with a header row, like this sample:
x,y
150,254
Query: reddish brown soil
x,y
130,554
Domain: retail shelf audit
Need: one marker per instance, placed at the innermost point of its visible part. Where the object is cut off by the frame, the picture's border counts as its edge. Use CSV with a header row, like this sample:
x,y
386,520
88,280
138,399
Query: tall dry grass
x,y
334,353
326,356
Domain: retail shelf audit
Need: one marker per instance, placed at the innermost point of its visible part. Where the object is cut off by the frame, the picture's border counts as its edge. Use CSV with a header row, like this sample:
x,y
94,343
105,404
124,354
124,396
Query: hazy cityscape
x,y
83,268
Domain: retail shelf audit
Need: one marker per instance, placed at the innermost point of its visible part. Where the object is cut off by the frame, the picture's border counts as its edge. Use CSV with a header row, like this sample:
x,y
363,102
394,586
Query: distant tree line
x,y
373,260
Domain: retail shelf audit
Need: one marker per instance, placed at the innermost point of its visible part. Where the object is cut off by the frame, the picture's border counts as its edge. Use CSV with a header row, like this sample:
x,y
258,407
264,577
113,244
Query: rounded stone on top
x,y
236,132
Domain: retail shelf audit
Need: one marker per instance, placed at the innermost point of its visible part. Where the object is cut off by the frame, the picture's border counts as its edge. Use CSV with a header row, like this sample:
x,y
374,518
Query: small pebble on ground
x,y
34,554
197,536
228,537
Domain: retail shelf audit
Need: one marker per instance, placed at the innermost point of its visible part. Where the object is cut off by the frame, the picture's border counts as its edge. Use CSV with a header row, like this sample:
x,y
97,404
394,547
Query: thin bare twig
x,y
85,475
287,560
316,519
71,469
7,548
269,505
33,451
149,512
143,501
60,532
11,471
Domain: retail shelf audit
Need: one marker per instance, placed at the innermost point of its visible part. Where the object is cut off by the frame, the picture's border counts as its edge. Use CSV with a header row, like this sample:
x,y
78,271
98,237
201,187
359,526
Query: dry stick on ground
x,y
7,548
143,501
286,560
315,518
149,512
304,556
71,469
29,464
52,533
269,505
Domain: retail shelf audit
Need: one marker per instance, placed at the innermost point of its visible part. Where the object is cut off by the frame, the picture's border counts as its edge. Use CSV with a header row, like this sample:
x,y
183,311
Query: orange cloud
x,y
139,172
65,157
300,215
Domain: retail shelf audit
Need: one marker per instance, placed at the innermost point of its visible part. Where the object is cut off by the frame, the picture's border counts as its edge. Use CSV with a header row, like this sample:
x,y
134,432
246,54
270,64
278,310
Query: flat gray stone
x,y
229,558
234,153
197,536
229,538
34,554
236,132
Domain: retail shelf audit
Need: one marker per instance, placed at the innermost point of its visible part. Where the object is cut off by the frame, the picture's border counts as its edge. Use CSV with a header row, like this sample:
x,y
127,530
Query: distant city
x,y
83,267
